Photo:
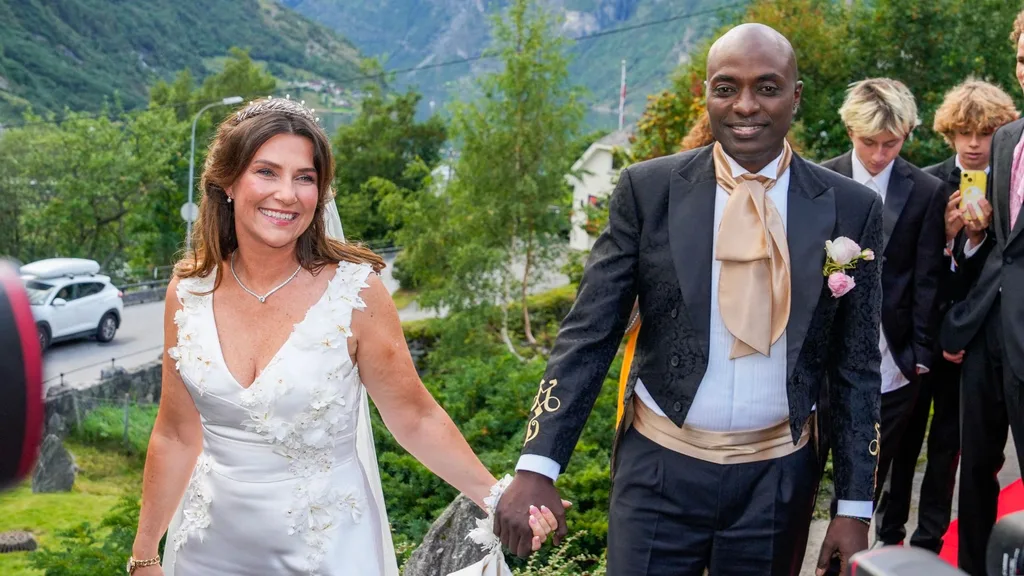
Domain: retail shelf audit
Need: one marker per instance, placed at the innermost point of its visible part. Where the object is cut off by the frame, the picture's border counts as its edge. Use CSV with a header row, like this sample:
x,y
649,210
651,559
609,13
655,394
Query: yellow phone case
x,y
972,190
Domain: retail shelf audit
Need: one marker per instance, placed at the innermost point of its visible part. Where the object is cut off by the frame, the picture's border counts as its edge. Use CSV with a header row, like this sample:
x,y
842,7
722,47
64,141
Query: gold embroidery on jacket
x,y
874,445
545,402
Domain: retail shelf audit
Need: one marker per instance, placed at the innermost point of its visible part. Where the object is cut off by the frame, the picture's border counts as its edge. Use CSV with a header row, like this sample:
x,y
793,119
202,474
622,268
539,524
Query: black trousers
x,y
941,388
676,515
991,401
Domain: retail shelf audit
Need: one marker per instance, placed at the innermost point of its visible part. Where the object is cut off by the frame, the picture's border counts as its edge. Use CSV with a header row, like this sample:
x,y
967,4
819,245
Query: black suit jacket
x,y
658,246
1003,268
912,260
956,282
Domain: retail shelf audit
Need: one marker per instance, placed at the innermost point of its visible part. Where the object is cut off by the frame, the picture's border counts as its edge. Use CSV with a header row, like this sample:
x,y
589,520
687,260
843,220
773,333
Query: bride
x,y
261,460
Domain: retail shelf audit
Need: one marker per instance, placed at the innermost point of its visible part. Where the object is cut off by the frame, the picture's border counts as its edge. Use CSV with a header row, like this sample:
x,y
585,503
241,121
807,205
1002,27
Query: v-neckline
x,y
220,348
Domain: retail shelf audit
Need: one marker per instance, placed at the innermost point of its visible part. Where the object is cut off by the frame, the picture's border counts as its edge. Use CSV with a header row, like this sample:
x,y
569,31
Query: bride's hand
x,y
543,523
155,570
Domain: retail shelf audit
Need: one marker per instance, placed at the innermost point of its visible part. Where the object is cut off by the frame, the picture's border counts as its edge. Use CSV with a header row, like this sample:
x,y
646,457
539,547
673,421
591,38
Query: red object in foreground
x,y
1011,500
21,386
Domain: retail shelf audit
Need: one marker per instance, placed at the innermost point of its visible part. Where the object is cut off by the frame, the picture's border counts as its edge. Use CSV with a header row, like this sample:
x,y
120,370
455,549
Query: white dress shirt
x,y
747,393
892,377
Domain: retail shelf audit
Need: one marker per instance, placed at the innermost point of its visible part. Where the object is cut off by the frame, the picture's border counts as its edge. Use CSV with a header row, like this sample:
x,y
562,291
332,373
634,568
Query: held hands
x,y
845,537
521,531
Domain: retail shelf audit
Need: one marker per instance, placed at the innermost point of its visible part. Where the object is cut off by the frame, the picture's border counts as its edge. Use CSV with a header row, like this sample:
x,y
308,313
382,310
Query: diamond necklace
x,y
263,298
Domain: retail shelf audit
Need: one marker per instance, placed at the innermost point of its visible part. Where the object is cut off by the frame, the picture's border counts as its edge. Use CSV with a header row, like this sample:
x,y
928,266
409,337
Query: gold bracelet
x,y
133,563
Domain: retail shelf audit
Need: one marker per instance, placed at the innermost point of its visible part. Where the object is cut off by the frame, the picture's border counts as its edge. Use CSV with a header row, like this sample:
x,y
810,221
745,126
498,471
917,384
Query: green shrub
x,y
573,267
86,550
104,427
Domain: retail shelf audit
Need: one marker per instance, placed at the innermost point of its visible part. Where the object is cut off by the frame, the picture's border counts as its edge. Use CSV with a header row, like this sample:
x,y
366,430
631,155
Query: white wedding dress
x,y
287,482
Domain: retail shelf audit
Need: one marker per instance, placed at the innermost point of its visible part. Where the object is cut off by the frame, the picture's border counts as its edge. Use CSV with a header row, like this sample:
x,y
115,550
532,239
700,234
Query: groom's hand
x,y
845,536
512,517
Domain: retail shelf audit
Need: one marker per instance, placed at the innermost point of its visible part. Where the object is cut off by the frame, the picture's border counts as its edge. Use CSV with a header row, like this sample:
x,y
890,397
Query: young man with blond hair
x,y
991,330
880,114
968,117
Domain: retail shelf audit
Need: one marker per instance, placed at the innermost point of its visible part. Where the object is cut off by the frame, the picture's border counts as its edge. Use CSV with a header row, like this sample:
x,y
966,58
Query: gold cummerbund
x,y
719,447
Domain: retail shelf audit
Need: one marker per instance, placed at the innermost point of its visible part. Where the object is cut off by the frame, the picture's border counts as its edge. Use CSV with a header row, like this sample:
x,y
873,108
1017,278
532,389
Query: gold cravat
x,y
754,286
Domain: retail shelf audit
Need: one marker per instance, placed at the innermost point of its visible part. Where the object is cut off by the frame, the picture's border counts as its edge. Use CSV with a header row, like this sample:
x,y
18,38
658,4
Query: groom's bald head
x,y
752,93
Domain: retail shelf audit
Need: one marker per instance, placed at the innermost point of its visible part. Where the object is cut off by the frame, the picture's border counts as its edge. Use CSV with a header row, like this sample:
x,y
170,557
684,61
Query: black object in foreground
x,y
900,561
1005,553
21,387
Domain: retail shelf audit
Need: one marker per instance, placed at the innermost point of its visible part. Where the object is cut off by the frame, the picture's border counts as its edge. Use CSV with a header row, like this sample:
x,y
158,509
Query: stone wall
x,y
144,296
68,406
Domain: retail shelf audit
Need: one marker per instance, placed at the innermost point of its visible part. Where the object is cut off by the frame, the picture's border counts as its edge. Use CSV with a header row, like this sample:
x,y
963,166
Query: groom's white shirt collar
x,y
769,171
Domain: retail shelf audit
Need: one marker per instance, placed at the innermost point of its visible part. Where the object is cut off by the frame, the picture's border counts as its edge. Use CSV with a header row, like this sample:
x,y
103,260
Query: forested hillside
x,y
57,54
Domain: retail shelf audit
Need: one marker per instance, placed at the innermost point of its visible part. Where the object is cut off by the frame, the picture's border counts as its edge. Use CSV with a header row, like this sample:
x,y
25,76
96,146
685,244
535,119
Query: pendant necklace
x,y
263,298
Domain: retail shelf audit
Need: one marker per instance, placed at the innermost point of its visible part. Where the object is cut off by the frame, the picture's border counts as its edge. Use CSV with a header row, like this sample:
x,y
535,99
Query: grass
x,y
103,477
403,298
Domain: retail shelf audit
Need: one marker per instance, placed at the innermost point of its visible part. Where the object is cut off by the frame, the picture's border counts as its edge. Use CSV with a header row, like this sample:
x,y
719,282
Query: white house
x,y
593,179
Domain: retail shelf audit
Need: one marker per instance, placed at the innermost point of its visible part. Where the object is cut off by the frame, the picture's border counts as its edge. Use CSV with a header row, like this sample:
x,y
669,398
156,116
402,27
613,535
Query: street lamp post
x,y
229,101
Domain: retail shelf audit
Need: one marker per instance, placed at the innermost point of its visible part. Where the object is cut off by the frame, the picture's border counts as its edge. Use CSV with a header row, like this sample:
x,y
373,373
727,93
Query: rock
x,y
112,372
16,542
445,549
55,469
56,426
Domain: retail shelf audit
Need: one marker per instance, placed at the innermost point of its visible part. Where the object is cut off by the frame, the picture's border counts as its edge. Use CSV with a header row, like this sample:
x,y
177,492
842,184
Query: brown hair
x,y
238,139
1018,28
973,106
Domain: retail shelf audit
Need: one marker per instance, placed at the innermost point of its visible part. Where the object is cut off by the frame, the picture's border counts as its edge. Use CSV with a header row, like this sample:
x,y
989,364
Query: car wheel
x,y
44,337
107,328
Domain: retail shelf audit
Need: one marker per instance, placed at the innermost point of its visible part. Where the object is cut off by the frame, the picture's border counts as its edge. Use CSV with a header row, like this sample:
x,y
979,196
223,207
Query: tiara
x,y
285,105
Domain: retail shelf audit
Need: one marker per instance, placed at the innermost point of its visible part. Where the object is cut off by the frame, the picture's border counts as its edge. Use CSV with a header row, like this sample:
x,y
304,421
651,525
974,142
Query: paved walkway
x,y
1009,474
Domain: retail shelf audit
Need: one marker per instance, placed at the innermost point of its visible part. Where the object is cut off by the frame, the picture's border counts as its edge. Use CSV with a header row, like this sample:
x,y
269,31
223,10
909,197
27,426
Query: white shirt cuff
x,y
972,250
542,465
855,508
922,369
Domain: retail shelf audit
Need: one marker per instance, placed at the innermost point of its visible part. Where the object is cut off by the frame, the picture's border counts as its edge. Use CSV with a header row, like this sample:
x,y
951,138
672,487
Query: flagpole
x,y
622,97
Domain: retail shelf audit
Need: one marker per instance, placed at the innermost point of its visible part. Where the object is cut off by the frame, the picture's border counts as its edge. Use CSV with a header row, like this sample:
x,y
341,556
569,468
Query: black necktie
x,y
954,177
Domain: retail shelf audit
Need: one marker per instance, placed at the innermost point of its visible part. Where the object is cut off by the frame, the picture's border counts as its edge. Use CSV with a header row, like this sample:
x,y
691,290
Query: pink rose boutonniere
x,y
842,254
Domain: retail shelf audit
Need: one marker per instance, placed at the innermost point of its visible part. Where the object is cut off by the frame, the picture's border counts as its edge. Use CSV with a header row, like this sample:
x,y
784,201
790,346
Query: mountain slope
x,y
77,53
418,33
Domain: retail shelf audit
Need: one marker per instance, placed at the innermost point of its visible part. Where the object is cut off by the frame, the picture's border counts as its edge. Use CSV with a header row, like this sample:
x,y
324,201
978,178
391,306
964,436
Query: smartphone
x,y
972,190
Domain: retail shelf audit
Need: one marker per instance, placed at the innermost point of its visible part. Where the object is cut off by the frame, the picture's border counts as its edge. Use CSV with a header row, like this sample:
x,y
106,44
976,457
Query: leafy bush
x,y
573,267
86,550
104,427
488,393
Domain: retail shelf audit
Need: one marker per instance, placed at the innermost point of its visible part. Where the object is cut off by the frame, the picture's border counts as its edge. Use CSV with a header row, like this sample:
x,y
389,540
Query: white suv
x,y
70,299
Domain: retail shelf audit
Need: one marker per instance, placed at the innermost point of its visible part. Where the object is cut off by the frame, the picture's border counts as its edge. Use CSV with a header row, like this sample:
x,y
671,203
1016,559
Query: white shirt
x,y
892,377
747,393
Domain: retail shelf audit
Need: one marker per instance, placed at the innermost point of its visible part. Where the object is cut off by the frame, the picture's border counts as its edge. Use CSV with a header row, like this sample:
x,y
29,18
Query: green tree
x,y
79,183
376,154
496,225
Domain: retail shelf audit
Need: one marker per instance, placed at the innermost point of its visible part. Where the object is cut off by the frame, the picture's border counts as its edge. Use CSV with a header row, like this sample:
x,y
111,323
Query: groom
x,y
715,465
